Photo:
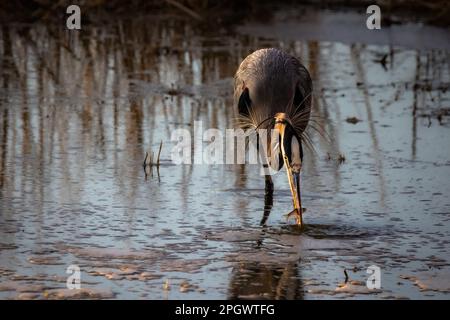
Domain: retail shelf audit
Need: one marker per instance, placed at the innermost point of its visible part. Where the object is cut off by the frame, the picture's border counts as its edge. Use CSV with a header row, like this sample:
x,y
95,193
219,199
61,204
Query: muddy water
x,y
79,111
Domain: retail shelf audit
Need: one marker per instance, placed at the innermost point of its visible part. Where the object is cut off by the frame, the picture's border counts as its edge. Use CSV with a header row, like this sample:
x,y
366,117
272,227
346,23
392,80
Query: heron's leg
x,y
268,199
297,178
269,183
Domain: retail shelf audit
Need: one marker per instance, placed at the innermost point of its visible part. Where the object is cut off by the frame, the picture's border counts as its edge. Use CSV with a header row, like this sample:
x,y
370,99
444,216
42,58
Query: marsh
x,y
80,109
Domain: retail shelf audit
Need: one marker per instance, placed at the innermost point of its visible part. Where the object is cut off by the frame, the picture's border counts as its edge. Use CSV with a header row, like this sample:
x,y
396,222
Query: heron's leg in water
x,y
299,196
269,183
268,199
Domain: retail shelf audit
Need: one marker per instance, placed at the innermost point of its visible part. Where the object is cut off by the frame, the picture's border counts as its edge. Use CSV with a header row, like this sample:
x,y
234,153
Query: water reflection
x,y
79,110
255,280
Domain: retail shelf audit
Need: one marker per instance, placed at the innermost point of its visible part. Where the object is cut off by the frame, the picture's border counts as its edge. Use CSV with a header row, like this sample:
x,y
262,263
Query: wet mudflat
x,y
78,112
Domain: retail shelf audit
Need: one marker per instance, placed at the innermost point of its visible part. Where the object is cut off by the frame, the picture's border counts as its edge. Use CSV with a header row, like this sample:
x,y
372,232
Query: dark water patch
x,y
340,232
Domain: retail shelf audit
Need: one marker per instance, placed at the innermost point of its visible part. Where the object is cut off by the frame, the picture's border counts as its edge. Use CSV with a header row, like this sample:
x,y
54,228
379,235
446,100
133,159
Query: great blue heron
x,y
273,91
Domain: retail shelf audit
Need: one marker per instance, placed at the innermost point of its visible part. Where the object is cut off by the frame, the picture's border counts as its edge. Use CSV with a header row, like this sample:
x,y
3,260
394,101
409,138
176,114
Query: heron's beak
x,y
293,178
298,207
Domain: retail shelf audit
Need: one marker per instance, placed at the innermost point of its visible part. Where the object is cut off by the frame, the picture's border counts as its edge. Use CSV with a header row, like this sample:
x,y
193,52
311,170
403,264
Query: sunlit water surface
x,y
79,111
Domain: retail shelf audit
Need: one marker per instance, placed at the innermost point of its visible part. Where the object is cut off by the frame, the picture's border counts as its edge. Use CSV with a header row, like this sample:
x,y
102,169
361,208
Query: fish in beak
x,y
291,153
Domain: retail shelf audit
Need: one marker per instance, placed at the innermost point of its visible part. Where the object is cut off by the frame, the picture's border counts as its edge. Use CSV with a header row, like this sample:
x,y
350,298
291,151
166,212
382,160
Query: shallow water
x,y
79,111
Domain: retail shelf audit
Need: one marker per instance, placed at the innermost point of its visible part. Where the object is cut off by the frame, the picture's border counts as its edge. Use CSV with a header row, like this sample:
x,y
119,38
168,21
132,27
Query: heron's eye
x,y
244,103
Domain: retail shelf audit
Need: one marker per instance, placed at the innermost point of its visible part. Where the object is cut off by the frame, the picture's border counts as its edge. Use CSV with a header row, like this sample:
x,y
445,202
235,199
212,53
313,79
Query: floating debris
x,y
51,260
166,285
149,162
83,293
355,287
430,281
353,120
185,287
382,61
28,296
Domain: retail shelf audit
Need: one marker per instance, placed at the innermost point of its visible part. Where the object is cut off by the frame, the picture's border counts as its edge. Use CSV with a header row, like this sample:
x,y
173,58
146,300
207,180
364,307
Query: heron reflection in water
x,y
273,91
257,280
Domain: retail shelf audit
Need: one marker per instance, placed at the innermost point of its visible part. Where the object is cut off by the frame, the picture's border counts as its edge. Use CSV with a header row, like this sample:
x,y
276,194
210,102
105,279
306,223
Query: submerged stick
x,y
159,154
145,159
149,161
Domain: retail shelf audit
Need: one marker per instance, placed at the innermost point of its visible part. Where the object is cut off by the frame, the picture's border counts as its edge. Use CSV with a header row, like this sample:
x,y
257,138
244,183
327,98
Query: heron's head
x,y
288,149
